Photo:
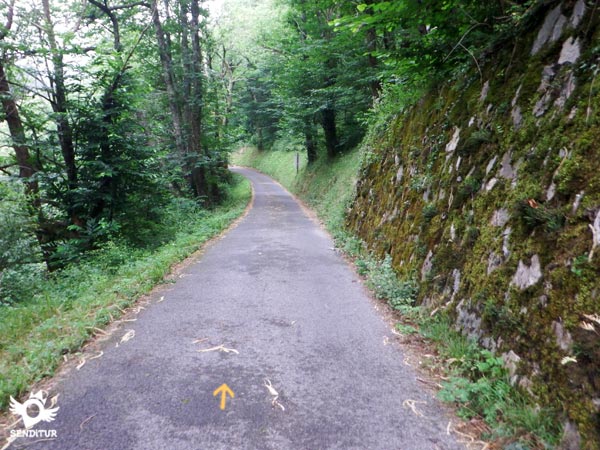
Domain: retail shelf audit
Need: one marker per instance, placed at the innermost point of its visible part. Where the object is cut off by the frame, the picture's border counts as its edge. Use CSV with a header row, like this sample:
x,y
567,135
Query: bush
x,y
382,279
19,251
533,214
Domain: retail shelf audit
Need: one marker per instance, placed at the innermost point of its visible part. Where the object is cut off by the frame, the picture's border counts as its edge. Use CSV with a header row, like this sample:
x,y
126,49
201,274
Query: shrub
x,y
533,215
382,279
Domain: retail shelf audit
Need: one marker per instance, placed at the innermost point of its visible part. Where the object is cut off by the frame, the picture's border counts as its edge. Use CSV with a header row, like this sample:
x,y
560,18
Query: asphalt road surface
x,y
299,320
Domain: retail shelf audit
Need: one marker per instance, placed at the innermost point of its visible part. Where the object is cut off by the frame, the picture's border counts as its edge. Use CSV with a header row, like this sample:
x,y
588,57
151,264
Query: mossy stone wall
x,y
488,192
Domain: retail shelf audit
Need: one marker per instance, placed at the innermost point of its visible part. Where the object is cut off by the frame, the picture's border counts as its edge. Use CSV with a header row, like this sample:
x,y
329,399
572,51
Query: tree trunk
x,y
310,143
260,144
195,101
330,130
59,105
194,104
19,143
27,169
371,36
164,52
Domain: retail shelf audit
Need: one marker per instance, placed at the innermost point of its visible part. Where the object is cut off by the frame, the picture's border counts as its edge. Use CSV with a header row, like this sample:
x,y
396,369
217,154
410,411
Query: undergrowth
x,y
480,386
61,313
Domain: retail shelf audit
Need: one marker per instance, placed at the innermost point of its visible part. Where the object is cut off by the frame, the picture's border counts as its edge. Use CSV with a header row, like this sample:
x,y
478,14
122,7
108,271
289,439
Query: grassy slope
x,y
60,318
327,186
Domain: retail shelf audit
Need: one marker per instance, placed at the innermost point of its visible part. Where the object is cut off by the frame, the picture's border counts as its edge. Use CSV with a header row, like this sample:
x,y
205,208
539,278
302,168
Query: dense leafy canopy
x,y
112,110
107,117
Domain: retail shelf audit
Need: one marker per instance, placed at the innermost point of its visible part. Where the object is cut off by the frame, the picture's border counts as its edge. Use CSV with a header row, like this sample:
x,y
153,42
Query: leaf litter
x,y
274,393
220,348
84,360
126,337
412,404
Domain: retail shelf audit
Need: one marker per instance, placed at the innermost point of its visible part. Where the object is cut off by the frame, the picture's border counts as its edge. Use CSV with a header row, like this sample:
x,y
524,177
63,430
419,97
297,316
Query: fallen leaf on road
x,y
412,404
220,348
472,440
126,337
274,393
438,385
593,318
270,387
82,424
97,356
53,401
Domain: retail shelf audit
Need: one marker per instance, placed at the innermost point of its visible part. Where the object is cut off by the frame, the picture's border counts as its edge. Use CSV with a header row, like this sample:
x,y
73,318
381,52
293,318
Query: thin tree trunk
x,y
199,173
27,169
19,143
196,85
169,78
371,36
310,143
330,130
59,105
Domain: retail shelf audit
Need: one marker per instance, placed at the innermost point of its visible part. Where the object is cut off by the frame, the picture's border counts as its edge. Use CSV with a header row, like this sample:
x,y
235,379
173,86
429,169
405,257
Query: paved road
x,y
273,290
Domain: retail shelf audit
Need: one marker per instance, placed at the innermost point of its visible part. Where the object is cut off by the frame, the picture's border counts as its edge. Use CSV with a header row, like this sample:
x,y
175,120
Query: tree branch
x,y
9,20
114,8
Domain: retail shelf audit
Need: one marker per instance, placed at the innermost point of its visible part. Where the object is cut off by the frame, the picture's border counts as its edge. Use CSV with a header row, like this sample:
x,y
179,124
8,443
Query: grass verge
x,y
471,378
68,305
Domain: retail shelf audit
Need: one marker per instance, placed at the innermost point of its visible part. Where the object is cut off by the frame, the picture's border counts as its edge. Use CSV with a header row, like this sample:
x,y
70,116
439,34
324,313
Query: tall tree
x,y
27,167
60,108
183,72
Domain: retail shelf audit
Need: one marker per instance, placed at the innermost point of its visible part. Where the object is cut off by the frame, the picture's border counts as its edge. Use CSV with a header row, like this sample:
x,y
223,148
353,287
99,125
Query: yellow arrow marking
x,y
223,390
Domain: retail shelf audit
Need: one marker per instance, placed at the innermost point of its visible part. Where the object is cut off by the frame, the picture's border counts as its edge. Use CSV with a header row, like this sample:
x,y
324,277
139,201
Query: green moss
x,y
569,286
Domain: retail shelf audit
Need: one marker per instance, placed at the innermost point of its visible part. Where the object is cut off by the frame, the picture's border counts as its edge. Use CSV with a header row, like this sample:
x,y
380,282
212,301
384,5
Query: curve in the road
x,y
293,316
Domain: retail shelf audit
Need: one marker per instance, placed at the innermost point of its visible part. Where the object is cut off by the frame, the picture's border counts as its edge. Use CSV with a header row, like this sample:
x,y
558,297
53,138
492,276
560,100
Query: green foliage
x,y
429,212
479,384
432,38
419,183
579,265
474,141
500,316
471,236
384,282
297,80
406,329
17,239
466,190
533,214
20,256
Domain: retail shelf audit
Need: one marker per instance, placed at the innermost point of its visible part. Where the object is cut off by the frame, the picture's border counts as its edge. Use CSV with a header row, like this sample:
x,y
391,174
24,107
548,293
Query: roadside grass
x,y
327,186
475,380
69,304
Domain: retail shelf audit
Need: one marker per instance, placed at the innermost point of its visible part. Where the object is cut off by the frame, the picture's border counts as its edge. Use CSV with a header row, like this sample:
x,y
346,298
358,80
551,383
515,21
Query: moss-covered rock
x,y
489,190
